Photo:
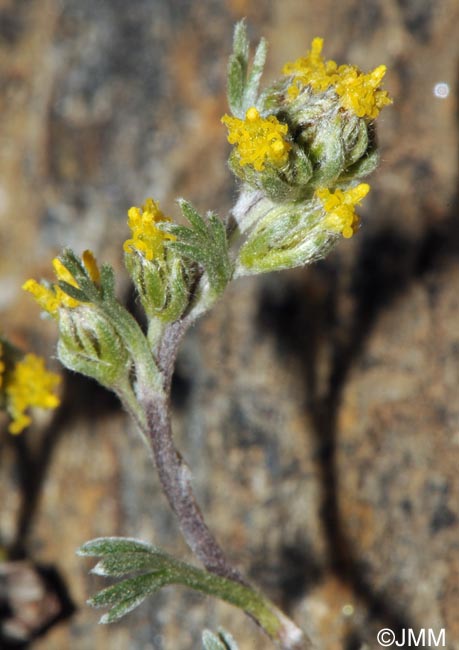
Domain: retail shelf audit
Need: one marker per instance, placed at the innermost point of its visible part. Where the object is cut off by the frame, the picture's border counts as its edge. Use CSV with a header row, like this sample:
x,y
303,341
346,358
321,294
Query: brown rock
x,y
316,408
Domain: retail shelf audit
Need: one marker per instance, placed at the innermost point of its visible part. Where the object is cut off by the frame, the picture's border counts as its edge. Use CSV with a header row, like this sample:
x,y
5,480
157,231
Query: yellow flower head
x,y
29,385
51,299
359,92
258,140
147,238
339,207
310,70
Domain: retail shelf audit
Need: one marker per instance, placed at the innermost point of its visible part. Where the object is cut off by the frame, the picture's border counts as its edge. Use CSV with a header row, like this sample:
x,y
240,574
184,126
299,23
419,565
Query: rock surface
x,y
317,408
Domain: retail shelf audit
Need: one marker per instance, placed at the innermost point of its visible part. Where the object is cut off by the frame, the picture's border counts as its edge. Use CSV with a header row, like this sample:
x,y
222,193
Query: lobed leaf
x,y
253,82
107,545
107,281
121,556
237,68
120,564
127,595
242,88
75,266
193,216
204,242
73,292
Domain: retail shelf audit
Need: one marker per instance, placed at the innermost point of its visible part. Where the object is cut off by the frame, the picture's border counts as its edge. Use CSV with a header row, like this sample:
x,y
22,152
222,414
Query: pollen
x,y
259,141
339,208
358,92
29,385
147,238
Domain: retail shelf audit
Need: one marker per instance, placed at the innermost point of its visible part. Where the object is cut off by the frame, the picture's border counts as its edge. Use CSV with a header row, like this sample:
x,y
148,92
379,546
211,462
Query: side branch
x,y
168,349
175,479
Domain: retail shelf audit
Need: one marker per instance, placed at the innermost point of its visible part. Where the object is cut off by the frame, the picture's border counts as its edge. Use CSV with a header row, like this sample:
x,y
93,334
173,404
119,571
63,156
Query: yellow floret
x,y
339,207
29,385
90,264
62,272
52,298
147,238
46,298
258,140
359,92
64,275
310,70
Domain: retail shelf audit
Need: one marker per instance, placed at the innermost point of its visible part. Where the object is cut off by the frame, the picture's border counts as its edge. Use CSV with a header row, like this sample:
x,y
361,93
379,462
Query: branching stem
x,y
175,479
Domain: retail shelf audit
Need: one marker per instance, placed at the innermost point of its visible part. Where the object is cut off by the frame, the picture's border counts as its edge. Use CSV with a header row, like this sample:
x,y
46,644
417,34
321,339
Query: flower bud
x,y
90,344
158,273
292,234
162,285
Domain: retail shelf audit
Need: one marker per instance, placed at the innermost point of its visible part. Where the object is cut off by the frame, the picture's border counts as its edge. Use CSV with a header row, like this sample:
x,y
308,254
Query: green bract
x,y
162,286
89,344
287,235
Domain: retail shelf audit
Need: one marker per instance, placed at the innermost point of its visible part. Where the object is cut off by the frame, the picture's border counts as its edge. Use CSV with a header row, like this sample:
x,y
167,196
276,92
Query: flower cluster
x,y
359,92
25,383
147,238
301,152
339,206
158,275
258,140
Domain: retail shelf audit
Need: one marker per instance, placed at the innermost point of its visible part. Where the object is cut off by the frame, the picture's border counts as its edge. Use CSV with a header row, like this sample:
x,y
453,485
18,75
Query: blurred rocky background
x,y
317,408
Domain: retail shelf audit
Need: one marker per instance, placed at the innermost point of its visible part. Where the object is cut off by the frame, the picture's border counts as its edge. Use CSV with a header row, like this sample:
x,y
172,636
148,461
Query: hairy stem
x,y
168,349
175,479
